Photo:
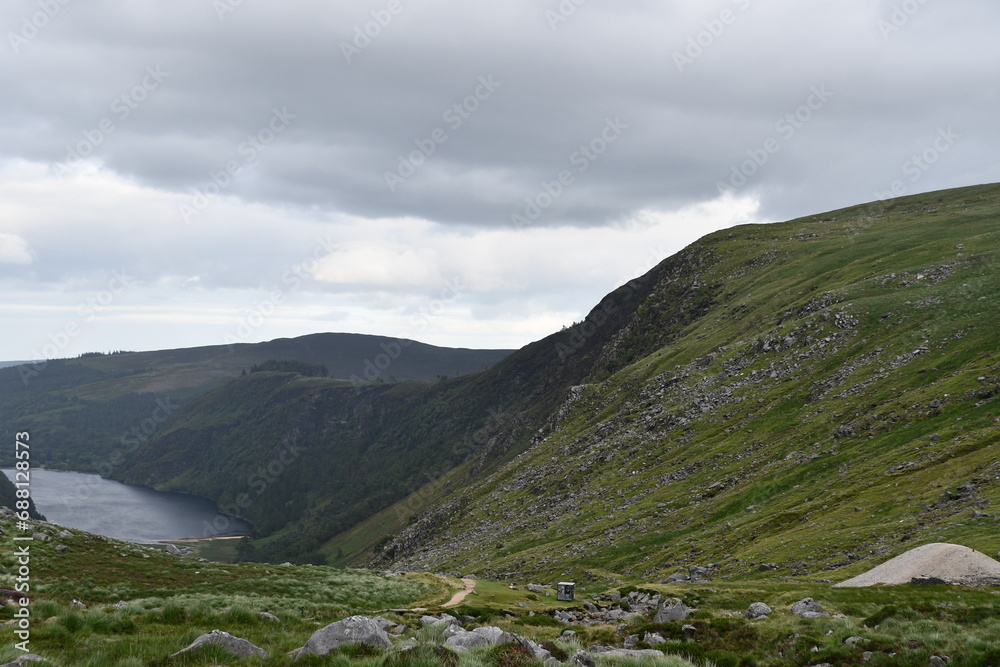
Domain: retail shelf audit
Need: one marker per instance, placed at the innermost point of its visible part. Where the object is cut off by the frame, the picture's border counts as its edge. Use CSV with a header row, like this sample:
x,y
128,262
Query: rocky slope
x,y
801,397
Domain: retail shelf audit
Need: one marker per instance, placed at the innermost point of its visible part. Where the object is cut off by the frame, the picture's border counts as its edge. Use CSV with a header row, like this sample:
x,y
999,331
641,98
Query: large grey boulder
x,y
241,648
673,611
583,659
351,630
758,610
809,608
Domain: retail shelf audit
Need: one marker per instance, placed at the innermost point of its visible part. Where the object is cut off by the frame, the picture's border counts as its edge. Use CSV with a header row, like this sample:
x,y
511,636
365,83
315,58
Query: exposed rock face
x,y
241,648
352,630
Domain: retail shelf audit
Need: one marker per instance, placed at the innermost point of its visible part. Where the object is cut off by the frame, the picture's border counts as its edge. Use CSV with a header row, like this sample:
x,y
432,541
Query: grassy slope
x,y
173,600
790,423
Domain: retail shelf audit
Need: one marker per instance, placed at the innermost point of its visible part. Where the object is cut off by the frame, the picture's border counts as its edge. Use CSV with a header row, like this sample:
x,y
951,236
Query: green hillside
x,y
827,397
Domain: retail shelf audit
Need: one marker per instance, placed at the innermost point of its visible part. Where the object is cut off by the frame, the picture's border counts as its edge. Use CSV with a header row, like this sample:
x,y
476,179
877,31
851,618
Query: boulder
x,y
583,659
61,548
809,608
41,537
631,641
444,619
758,610
653,639
172,550
351,630
673,611
241,648
490,635
535,588
265,616
64,535
635,653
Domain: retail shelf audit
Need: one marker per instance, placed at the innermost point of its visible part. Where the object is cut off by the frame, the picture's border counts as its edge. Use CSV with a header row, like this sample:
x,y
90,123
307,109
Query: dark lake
x,y
133,513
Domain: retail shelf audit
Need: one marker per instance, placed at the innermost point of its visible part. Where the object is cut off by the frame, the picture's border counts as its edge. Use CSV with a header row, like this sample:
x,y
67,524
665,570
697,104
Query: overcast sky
x,y
472,174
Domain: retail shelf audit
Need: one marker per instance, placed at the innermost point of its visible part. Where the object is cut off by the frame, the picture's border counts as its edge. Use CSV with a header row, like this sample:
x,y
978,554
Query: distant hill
x,y
87,410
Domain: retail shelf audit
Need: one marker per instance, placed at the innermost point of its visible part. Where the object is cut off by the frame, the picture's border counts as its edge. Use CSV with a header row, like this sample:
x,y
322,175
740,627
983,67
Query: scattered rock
x,y
851,641
583,659
76,604
485,636
241,648
535,588
172,550
631,641
674,611
809,608
62,548
269,617
939,661
758,610
653,639
351,630
41,537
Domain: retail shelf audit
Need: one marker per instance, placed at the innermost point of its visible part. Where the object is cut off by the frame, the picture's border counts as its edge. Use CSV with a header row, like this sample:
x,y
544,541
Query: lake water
x,y
133,513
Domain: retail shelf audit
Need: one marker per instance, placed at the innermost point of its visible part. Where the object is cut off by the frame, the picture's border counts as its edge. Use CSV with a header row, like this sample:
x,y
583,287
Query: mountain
x,y
91,412
804,397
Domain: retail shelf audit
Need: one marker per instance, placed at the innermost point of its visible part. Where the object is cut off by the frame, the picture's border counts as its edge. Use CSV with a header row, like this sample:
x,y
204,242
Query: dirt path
x,y
457,598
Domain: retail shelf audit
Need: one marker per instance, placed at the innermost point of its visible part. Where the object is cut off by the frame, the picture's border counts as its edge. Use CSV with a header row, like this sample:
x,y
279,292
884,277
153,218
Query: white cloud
x,y
14,250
